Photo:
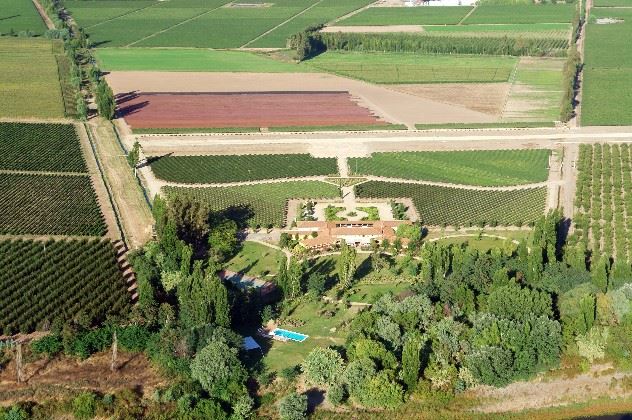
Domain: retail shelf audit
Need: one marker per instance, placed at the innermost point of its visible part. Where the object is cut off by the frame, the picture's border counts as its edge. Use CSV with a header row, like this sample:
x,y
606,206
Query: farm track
x,y
47,21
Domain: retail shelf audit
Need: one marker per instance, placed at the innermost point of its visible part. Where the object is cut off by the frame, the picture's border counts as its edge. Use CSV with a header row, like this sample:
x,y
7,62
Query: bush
x,y
289,373
322,366
84,406
293,407
316,284
49,345
337,394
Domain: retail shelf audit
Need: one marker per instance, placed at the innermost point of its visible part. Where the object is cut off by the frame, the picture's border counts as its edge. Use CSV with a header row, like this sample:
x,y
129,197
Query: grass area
x,y
536,94
324,11
372,213
415,68
371,292
383,16
331,213
29,89
524,14
40,147
232,27
49,205
90,13
483,243
607,70
20,15
479,167
256,260
238,168
439,206
183,59
319,318
530,124
257,205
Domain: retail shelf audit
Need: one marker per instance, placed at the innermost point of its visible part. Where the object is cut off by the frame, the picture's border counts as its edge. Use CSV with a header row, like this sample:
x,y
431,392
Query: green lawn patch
x,y
415,68
238,168
370,292
182,59
20,15
480,167
257,205
559,13
383,16
439,206
29,78
255,260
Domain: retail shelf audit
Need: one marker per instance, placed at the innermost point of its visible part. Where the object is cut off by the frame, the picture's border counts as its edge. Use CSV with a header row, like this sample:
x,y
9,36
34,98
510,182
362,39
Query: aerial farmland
x,y
326,209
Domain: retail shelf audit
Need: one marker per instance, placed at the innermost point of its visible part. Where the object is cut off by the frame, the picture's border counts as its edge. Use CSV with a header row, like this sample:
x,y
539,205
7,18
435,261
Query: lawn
x,y
182,59
371,292
485,243
559,13
607,98
228,27
49,205
484,167
20,15
438,206
324,12
255,260
383,16
415,68
238,168
257,205
40,147
29,79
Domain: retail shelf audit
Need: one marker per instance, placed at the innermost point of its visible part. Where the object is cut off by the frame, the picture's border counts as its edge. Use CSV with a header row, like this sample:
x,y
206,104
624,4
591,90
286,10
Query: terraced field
x,y
257,205
57,280
483,168
237,168
442,206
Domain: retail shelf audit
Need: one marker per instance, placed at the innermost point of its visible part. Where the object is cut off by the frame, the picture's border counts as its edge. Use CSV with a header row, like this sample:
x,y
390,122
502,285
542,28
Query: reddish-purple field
x,y
217,110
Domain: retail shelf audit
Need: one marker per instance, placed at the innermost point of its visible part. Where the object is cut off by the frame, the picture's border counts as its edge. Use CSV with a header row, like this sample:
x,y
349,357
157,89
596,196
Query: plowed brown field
x,y
242,109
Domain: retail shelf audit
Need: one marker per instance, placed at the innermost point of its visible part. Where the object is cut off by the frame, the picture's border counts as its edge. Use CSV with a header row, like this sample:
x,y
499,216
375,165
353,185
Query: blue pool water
x,y
291,335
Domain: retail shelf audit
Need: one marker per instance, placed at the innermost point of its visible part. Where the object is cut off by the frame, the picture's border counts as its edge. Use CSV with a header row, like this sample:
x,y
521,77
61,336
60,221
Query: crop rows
x,y
237,168
261,205
603,216
40,147
44,281
484,168
443,206
49,205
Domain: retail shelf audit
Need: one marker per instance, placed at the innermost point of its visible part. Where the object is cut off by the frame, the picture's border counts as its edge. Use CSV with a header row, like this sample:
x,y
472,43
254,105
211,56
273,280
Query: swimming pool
x,y
290,335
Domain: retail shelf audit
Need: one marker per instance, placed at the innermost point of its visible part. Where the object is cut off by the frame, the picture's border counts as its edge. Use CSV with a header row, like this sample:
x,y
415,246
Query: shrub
x,y
84,406
337,394
293,407
322,366
49,345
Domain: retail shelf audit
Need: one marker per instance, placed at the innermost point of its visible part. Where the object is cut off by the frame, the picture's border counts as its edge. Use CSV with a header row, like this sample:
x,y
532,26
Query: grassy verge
x,y
543,124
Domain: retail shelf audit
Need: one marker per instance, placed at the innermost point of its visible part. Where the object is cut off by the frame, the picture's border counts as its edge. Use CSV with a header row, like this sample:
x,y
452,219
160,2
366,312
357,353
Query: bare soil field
x,y
45,378
488,98
391,105
375,29
276,109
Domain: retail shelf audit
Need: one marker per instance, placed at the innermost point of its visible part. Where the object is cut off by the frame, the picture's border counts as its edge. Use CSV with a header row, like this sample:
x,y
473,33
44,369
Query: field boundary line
x,y
43,173
291,18
467,16
512,80
175,26
131,12
119,225
354,12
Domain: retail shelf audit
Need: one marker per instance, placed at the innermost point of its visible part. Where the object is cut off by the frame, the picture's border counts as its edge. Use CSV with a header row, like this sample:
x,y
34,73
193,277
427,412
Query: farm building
x,y
322,234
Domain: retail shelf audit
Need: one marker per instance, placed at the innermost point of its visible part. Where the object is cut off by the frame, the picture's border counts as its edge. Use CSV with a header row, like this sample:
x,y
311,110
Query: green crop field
x,y
228,27
607,97
484,167
44,281
324,12
460,207
548,31
20,15
237,168
40,147
559,13
257,205
181,59
612,3
382,16
92,12
29,79
414,68
49,205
